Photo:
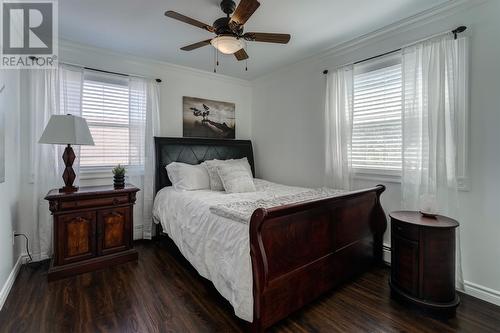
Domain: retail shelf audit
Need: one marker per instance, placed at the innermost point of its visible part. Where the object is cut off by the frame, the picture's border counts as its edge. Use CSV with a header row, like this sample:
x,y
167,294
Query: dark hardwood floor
x,y
163,293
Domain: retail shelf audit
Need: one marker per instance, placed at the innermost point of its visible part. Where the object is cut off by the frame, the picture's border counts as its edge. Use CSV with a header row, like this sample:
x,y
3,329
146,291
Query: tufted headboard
x,y
195,151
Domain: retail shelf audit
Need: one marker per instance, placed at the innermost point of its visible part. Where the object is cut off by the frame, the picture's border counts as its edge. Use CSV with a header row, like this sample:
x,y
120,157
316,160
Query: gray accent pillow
x,y
235,178
215,180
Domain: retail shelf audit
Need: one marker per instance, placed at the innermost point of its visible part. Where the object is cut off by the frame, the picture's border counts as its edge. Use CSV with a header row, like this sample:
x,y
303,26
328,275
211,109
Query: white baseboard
x,y
22,259
481,292
10,280
36,256
387,254
472,289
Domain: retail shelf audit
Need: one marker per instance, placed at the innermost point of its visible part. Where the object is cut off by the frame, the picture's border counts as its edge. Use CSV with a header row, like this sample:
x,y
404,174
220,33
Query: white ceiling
x,y
139,27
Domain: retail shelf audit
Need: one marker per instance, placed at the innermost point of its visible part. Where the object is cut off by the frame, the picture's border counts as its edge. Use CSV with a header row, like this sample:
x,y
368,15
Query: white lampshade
x,y
228,44
67,129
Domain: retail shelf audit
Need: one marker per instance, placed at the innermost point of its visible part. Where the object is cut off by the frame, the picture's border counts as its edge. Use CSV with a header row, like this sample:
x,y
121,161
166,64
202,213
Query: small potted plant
x,y
119,176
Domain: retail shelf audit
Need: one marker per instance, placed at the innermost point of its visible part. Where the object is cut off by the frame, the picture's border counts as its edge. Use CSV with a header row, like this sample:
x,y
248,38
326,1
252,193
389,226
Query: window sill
x,y
389,176
385,176
95,174
87,173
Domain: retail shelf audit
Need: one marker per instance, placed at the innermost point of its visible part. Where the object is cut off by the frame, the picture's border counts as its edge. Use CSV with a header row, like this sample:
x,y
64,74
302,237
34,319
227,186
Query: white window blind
x,y
377,127
106,107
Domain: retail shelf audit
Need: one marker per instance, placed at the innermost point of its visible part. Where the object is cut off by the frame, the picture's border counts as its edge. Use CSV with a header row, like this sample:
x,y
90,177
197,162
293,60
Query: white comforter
x,y
216,246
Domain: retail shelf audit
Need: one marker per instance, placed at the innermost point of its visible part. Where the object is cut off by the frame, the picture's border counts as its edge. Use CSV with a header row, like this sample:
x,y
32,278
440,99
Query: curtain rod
x,y
455,33
102,71
115,73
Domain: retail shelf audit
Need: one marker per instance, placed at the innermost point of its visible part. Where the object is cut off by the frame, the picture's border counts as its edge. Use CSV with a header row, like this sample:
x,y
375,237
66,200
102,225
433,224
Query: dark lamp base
x,y
68,189
69,174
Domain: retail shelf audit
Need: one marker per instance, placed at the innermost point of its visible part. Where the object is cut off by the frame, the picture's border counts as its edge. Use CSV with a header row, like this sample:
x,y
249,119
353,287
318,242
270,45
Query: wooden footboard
x,y
300,251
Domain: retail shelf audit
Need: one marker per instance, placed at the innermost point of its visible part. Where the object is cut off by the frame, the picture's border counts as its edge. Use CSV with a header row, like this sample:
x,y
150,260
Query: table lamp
x,y
67,130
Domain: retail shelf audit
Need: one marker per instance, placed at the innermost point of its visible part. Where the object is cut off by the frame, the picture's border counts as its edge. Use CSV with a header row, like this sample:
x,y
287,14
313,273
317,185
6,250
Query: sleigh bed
x,y
298,251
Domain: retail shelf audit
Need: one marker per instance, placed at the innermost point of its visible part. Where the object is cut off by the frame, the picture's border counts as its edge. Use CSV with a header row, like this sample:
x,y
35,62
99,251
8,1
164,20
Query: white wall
x,y
9,190
288,129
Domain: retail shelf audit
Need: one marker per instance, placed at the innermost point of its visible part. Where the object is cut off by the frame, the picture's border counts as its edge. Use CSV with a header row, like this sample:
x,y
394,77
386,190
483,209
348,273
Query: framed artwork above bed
x,y
205,118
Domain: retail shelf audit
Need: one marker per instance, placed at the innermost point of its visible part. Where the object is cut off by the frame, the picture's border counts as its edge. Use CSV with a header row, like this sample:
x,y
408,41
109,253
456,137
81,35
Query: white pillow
x,y
235,178
187,177
244,161
215,181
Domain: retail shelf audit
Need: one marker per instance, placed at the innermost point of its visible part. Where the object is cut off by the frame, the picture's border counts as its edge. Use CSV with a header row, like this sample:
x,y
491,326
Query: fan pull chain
x,y
246,60
217,52
215,67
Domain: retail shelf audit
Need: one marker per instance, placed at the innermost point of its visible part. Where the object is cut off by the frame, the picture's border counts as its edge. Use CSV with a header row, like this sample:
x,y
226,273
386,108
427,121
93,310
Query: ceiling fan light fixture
x,y
228,44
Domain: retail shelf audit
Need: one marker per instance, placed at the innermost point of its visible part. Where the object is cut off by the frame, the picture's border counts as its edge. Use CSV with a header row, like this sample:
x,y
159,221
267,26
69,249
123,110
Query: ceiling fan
x,y
230,38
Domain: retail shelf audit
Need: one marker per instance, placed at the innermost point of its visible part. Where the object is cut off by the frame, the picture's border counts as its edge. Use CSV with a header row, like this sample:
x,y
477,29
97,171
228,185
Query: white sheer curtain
x,y
433,96
70,101
49,92
144,120
338,127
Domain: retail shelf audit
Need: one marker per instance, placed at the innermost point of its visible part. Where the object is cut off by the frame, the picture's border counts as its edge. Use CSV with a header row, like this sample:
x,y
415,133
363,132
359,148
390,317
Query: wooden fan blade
x,y
188,20
267,37
245,9
241,55
196,45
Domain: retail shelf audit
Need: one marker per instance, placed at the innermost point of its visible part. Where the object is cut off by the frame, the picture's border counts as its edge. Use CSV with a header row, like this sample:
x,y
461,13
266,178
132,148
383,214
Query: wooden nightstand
x,y
93,228
423,261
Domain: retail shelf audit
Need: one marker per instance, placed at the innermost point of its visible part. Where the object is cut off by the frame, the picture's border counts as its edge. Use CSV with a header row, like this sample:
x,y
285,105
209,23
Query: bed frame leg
x,y
158,231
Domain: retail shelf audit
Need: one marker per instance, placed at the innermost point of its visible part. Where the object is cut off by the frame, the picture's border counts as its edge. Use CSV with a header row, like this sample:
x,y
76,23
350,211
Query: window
x,y
105,106
377,122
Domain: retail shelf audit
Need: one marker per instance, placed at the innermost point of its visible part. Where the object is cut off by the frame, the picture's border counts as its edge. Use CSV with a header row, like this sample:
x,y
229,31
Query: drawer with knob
x,y
94,202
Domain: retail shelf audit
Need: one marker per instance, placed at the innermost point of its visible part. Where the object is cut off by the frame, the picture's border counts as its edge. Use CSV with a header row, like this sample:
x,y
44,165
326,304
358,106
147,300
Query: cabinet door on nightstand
x,y
113,230
405,265
75,237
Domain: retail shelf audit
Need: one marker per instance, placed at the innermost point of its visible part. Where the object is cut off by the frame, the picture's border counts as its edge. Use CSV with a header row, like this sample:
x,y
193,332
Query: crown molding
x,y
70,46
436,13
433,14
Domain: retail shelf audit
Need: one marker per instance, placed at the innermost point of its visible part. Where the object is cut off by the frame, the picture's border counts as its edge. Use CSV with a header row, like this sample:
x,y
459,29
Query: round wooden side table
x,y
423,261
